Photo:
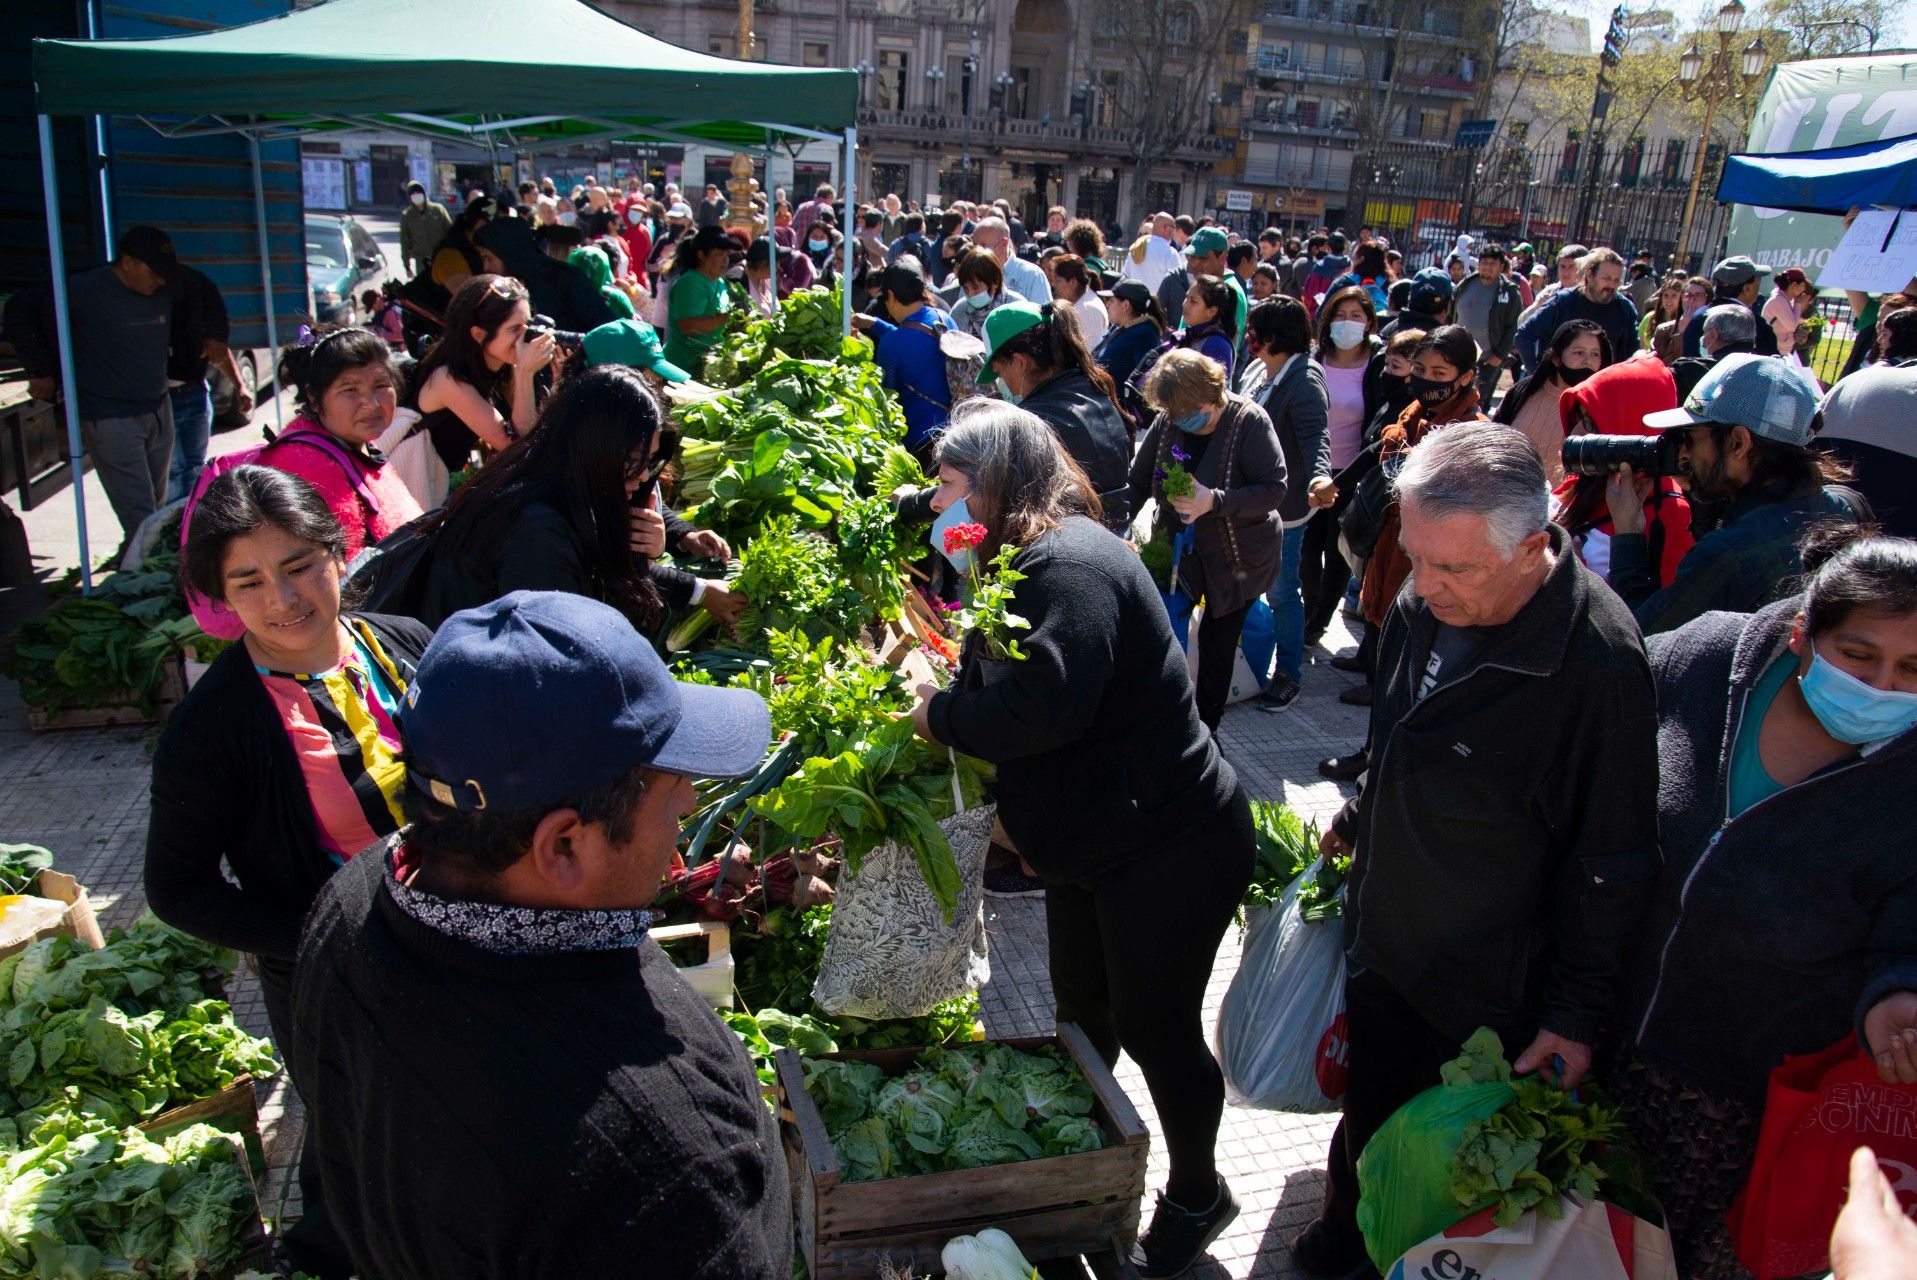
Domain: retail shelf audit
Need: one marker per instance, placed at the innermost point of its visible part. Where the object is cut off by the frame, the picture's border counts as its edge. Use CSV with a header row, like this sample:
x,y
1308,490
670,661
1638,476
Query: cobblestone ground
x,y
83,795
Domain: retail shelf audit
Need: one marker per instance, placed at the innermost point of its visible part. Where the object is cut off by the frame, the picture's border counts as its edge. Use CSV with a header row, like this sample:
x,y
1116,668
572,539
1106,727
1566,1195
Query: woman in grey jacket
x,y
1226,447
1780,923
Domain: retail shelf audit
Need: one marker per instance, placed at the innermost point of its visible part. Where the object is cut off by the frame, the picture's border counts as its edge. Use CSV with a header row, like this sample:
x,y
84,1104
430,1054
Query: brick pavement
x,y
82,794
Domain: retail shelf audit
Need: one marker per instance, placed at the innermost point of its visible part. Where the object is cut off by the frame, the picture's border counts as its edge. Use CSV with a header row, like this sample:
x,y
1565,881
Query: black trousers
x,y
1394,1056
1322,571
1130,963
1217,653
312,1244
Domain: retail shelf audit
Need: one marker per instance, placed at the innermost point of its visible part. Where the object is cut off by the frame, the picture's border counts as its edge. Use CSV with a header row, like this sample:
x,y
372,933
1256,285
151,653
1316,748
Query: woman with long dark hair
x,y
1211,323
1576,351
1136,327
566,511
477,381
1106,781
284,760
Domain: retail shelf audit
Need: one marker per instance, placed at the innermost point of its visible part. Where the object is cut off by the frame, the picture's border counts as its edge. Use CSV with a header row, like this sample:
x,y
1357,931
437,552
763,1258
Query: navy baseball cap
x,y
1430,291
540,696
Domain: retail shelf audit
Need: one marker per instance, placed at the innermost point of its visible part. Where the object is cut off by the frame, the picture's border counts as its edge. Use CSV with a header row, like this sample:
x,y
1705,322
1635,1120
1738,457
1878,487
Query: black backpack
x,y
391,577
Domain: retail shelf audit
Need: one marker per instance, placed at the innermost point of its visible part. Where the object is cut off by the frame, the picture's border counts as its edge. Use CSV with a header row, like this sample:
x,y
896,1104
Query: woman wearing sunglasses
x,y
575,508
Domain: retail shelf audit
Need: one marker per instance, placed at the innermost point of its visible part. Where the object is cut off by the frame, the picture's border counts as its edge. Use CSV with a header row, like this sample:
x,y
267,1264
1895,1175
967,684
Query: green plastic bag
x,y
1404,1172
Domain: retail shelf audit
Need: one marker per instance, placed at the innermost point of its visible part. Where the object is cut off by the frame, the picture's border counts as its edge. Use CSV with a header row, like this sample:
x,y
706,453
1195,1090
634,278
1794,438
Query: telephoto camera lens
x,y
1596,455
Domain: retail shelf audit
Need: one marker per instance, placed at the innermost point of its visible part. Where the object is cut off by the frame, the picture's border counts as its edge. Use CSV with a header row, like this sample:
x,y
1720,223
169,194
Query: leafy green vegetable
x,y
21,865
956,1109
1322,897
1287,844
1544,1145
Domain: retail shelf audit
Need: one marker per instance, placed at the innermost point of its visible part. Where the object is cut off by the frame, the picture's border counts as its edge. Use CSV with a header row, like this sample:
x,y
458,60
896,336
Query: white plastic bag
x,y
1592,1241
411,456
1244,681
890,953
1280,1033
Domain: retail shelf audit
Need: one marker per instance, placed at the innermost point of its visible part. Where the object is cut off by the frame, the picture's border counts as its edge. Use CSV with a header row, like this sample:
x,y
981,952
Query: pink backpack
x,y
213,616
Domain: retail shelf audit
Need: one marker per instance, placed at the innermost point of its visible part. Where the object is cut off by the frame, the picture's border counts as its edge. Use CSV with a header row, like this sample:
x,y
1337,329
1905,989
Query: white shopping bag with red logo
x,y
1592,1241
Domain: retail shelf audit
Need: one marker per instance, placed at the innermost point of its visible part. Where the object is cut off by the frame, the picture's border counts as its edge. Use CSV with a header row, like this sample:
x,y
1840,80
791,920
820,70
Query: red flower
x,y
964,537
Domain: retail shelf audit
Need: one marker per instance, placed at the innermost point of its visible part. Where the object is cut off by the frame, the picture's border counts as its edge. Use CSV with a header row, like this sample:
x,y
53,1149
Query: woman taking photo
x,y
699,304
1613,402
573,510
1136,327
1072,282
1105,778
283,761
1039,362
347,386
477,381
1289,386
1237,467
1577,350
1347,346
1765,936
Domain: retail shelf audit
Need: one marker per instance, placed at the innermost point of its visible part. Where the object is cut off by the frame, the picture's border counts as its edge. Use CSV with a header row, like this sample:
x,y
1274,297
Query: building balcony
x,y
992,133
1269,71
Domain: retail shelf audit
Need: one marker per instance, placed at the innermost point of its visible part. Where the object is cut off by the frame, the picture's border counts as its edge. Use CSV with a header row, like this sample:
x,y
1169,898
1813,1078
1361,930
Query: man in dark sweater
x,y
122,323
1506,836
504,1075
1601,274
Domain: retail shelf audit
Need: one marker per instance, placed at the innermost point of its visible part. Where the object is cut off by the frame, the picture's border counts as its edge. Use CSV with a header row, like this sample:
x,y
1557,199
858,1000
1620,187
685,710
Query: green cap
x,y
1206,241
635,343
1004,324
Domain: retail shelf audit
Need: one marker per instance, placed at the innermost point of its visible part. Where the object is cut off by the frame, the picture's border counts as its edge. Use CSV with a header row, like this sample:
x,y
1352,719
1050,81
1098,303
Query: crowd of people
x,y
1636,622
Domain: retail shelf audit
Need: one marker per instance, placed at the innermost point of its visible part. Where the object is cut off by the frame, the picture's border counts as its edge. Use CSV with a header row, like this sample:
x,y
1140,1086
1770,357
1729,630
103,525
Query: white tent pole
x,y
266,276
63,326
851,186
771,222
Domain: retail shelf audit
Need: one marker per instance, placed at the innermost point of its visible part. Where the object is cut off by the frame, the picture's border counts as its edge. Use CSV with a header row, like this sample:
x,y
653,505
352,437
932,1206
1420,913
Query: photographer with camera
x,y
1743,438
477,381
1605,413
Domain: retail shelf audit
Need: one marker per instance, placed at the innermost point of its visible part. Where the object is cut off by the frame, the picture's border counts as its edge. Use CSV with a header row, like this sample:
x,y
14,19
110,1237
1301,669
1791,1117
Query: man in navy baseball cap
x,y
481,1017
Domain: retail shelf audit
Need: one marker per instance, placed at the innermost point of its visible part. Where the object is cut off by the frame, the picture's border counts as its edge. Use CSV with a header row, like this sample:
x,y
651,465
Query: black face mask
x,y
1431,393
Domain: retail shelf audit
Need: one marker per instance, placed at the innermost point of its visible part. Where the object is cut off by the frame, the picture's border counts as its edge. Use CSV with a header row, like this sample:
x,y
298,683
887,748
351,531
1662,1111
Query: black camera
x,y
565,339
1601,455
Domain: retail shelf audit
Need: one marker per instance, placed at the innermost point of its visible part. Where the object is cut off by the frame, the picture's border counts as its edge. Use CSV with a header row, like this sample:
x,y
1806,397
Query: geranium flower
x,y
964,537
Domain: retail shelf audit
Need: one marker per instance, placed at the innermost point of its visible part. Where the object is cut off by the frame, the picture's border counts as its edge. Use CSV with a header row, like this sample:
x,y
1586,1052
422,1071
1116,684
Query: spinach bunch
x,y
1287,844
109,647
84,1197
20,867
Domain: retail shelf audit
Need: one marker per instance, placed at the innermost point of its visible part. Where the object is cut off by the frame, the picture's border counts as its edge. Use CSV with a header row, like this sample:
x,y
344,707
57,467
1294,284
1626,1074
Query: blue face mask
x,y
950,518
1852,711
1192,423
1005,393
976,301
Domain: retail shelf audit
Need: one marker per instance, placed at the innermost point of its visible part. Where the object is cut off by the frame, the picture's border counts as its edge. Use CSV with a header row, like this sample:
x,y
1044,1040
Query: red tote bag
x,y
1820,1107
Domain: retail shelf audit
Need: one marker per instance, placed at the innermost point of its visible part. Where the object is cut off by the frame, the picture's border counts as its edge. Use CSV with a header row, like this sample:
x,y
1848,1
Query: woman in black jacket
x,y
575,508
1106,779
283,760
1766,935
1038,355
1228,448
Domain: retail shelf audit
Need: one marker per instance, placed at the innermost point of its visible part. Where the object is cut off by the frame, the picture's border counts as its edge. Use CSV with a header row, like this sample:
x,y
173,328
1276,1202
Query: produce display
x,y
83,1197
808,325
958,1108
989,1255
121,1033
108,648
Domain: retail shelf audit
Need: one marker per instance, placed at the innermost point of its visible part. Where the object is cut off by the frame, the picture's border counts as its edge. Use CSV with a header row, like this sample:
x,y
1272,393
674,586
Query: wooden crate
x,y
172,689
235,1109
712,979
1054,1207
79,920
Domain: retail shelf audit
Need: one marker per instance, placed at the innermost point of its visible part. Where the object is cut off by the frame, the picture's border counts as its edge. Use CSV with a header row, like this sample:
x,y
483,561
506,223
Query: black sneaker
x,y
1348,662
1345,768
1009,882
1319,1253
1178,1237
1278,695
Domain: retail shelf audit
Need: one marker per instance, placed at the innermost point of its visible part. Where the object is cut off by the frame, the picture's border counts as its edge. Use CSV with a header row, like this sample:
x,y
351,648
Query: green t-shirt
x,y
1750,781
694,294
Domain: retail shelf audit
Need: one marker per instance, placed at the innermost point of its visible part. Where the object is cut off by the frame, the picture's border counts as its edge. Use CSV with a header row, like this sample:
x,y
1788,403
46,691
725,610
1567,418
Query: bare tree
x,y
1824,28
1374,111
1175,54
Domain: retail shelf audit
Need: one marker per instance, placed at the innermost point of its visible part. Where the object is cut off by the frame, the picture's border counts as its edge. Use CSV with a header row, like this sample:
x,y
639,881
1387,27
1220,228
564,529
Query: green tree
x,y
1821,28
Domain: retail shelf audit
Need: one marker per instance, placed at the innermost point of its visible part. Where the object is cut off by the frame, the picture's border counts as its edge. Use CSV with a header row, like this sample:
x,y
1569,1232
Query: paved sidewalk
x,y
83,794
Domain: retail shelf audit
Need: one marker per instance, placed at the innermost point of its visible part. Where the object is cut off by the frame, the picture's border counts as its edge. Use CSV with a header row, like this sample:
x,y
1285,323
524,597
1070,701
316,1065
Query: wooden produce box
x,y
79,921
712,979
1053,1207
172,689
235,1109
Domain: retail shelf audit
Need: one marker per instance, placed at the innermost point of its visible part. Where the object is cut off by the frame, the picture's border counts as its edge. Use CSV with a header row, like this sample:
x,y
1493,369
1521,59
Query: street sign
x,y
1238,201
1475,133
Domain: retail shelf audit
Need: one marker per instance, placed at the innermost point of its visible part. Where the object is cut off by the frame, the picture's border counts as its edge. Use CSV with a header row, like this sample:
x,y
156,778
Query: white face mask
x,y
419,197
1346,334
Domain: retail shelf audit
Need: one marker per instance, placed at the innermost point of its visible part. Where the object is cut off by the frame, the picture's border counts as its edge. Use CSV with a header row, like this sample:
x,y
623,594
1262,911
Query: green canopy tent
x,y
528,73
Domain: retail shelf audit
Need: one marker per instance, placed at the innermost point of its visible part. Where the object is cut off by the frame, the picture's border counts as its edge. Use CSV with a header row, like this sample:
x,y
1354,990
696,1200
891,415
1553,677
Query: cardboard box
x,y
79,921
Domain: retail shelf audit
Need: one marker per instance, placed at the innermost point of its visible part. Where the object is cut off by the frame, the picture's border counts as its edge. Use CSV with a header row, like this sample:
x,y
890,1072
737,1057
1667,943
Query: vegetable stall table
x,y
1085,1203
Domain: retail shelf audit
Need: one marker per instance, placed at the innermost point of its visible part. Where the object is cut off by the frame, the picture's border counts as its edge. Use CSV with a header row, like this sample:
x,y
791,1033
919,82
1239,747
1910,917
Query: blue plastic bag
x,y
1178,603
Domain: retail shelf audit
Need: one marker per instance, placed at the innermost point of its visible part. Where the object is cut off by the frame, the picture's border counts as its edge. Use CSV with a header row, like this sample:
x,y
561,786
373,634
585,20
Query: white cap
x,y
680,210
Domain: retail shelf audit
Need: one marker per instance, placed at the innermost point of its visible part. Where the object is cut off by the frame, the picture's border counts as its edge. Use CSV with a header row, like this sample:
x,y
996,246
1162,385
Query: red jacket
x,y
1613,402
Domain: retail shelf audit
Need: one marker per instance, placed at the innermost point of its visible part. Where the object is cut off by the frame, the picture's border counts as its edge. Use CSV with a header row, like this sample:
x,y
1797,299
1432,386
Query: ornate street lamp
x,y
1720,75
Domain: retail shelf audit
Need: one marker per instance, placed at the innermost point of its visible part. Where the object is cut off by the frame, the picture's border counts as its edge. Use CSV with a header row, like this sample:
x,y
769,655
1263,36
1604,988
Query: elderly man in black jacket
x,y
1506,841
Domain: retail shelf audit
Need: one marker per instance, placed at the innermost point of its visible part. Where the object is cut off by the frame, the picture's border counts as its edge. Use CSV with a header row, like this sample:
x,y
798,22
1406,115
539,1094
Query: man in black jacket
x,y
505,1076
1506,840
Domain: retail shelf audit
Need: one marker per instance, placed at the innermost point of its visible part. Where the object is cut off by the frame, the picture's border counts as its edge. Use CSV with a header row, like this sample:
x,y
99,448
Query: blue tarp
x,y
1834,180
